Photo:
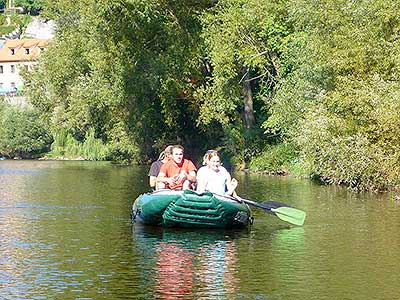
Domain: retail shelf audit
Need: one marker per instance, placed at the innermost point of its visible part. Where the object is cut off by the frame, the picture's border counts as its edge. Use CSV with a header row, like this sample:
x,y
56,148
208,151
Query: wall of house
x,y
11,75
16,55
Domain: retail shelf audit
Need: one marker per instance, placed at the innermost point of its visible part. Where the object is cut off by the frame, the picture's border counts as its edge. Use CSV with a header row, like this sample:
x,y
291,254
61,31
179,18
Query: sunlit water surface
x,y
65,233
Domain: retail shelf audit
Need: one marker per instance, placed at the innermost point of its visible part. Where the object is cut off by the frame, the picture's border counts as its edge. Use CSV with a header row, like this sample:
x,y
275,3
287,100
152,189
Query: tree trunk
x,y
248,101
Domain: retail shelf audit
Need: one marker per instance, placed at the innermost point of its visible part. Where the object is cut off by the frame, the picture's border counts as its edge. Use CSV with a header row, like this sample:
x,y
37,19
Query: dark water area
x,y
65,233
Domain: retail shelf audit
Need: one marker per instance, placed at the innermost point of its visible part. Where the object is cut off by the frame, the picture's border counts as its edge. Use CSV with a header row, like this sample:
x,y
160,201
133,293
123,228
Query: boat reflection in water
x,y
188,264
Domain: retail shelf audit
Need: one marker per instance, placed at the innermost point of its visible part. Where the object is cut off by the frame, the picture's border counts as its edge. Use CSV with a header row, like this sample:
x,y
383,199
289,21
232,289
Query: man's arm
x,y
191,171
162,177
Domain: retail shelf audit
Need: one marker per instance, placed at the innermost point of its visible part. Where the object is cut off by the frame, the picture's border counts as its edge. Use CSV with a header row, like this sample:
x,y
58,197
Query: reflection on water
x,y
57,221
174,277
65,233
189,264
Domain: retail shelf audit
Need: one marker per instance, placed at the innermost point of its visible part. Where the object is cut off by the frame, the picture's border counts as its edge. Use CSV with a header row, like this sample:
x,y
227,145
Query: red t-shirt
x,y
171,169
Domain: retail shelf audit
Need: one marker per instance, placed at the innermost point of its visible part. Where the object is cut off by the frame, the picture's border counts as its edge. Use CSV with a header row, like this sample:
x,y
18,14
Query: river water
x,y
65,233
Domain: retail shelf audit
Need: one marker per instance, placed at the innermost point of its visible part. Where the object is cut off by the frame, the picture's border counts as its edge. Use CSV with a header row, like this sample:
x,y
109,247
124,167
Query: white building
x,y
14,56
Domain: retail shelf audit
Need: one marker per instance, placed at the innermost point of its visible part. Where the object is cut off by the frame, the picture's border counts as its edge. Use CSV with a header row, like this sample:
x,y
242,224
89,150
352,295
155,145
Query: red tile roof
x,y
19,46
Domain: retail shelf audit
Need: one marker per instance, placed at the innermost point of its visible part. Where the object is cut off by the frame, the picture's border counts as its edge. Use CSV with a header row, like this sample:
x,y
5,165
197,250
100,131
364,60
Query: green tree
x,y
339,102
244,41
123,68
321,77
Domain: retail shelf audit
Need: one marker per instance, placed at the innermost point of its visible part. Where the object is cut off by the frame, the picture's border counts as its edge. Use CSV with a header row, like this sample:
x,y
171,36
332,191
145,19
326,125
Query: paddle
x,y
281,210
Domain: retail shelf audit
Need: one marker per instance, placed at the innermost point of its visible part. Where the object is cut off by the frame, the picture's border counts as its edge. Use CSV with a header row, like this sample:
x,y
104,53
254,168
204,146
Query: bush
x,y
22,133
354,137
124,152
274,159
66,146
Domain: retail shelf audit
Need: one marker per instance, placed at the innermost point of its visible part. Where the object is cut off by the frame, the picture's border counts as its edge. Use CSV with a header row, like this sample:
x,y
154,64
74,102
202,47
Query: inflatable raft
x,y
189,209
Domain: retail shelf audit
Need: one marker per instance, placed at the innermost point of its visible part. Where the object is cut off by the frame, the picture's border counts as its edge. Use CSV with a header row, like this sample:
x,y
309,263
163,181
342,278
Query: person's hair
x,y
208,155
167,151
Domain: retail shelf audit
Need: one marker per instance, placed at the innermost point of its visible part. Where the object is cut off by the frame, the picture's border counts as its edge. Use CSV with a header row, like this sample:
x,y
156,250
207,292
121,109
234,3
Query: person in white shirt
x,y
213,177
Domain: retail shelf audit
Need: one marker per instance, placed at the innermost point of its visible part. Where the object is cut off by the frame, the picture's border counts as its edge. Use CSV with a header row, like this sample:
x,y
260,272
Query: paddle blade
x,y
289,214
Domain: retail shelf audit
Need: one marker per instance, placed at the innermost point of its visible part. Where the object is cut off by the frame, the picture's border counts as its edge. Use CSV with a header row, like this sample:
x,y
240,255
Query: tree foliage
x,y
319,77
123,68
340,104
244,41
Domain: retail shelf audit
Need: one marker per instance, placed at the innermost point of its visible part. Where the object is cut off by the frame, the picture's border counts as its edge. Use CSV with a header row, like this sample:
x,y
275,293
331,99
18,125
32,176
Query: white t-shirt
x,y
214,182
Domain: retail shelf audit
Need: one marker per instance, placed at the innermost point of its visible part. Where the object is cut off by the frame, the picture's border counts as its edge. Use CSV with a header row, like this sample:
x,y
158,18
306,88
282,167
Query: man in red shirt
x,y
178,173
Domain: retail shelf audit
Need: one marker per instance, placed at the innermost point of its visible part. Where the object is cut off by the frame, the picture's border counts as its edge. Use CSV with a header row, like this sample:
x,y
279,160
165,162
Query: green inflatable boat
x,y
189,209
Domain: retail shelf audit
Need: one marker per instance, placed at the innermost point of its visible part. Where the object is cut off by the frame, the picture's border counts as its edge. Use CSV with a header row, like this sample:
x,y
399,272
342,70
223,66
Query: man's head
x,y
177,154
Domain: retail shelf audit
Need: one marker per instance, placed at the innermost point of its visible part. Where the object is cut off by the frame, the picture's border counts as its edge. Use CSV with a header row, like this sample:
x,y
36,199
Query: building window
x,y
12,68
12,51
1,69
1,85
26,50
12,84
